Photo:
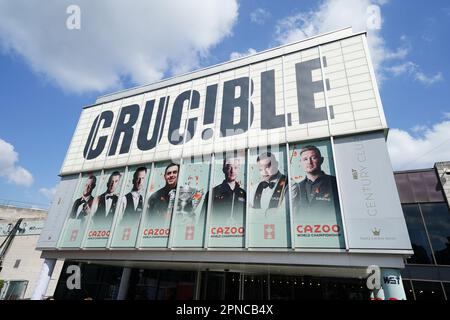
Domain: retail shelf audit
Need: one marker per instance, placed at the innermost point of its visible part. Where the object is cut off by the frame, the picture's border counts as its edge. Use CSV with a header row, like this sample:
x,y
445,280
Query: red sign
x,y
189,235
126,234
269,231
74,235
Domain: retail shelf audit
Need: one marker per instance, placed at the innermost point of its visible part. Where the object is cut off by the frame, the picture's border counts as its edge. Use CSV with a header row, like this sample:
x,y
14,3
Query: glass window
x,y
417,235
220,286
281,287
426,290
256,287
408,290
437,220
13,290
447,289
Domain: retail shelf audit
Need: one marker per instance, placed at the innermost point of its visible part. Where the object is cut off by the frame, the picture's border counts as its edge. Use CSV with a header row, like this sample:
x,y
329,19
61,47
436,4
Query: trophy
x,y
172,194
188,201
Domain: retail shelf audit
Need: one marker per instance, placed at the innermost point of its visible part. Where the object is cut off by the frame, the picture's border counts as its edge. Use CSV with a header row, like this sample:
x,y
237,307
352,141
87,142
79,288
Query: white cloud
x,y
429,80
237,55
48,192
422,151
136,39
9,168
414,71
260,16
336,14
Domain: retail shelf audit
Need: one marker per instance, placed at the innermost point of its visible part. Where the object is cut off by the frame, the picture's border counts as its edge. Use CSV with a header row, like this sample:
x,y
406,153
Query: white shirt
x,y
135,195
108,203
83,205
266,195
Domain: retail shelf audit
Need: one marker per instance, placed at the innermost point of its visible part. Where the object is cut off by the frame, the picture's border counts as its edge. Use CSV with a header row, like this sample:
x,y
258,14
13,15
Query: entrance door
x,y
220,286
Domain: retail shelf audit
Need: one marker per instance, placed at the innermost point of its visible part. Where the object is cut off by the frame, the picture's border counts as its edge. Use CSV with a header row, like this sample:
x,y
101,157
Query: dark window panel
x,y
447,289
425,290
408,290
404,188
417,235
433,185
421,186
437,220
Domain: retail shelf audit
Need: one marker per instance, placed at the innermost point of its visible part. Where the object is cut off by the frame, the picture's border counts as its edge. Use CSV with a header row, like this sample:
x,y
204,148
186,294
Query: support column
x,y
124,283
392,284
377,294
44,279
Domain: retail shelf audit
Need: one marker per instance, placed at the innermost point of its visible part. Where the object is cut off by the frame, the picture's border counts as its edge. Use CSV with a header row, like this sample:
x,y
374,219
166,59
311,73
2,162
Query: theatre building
x,y
266,177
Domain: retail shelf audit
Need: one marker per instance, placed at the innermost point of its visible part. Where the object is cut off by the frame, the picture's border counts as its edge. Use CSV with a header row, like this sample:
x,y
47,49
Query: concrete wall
x,y
14,213
24,248
443,170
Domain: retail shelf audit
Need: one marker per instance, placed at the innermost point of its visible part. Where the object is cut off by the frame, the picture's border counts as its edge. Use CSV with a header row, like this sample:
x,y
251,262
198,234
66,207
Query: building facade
x,y
264,170
20,262
425,201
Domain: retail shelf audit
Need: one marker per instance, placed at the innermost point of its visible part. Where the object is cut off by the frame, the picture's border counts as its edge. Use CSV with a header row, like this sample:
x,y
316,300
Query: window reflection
x,y
417,235
437,219
425,290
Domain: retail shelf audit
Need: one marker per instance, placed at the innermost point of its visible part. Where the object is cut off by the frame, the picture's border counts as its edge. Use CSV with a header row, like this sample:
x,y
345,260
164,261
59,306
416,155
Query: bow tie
x,y
109,197
266,184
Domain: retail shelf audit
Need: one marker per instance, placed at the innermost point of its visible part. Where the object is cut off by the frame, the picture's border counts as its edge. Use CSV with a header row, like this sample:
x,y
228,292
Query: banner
x,y
80,211
268,215
155,227
190,212
228,201
104,209
58,212
372,212
131,207
315,199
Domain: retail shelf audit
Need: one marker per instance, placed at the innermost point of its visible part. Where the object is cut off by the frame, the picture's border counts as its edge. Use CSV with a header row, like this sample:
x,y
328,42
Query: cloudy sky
x,y
49,69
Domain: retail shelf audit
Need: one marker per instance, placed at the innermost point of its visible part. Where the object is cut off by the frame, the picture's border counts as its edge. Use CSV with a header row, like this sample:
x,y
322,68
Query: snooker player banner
x,y
268,213
104,209
190,211
316,212
155,226
131,207
228,200
80,211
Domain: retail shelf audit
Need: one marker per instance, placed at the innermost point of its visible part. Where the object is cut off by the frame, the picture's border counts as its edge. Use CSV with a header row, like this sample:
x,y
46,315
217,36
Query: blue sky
x,y
48,73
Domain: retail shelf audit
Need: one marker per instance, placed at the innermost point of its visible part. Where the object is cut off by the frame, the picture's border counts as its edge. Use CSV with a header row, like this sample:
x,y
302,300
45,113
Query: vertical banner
x,y
268,216
373,215
228,201
155,227
59,209
104,209
131,207
80,211
315,199
190,212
